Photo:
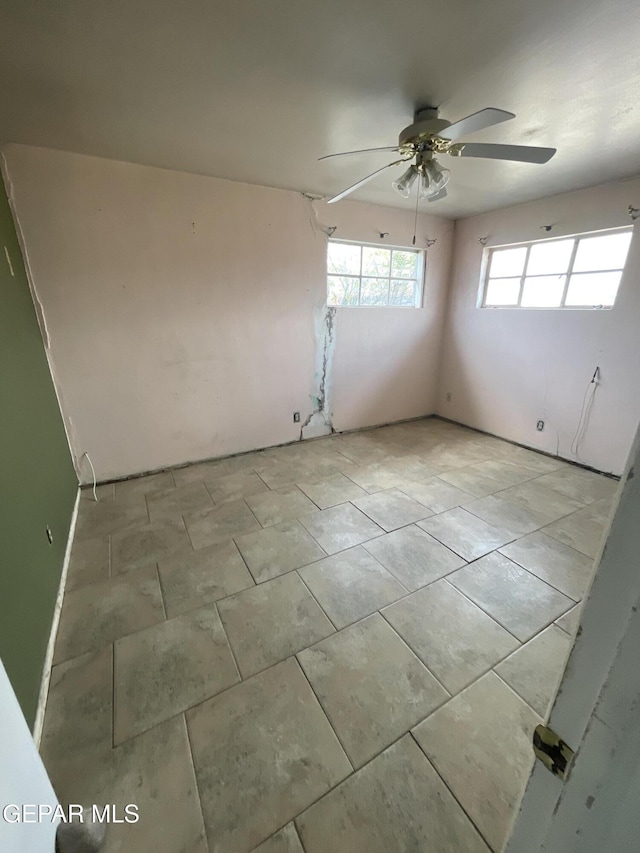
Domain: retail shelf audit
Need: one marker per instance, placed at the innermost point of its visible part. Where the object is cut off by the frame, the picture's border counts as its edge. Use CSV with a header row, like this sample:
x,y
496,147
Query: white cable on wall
x,y
585,413
93,471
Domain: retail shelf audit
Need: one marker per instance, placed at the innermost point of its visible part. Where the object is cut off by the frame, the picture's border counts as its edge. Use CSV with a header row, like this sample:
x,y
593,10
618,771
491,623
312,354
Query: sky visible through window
x,y
573,272
359,274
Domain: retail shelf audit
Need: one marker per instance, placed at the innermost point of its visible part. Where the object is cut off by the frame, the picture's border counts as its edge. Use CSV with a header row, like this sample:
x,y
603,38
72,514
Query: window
x,y
571,272
359,274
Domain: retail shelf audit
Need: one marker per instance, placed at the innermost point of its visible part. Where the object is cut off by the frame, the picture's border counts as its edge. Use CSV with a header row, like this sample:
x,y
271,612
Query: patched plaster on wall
x,y
319,421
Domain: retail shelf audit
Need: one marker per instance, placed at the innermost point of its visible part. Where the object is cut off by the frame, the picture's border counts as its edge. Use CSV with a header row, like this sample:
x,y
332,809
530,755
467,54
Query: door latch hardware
x,y
552,751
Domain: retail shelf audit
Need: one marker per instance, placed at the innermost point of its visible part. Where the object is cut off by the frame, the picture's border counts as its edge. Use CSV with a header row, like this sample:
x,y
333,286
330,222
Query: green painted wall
x,y
37,481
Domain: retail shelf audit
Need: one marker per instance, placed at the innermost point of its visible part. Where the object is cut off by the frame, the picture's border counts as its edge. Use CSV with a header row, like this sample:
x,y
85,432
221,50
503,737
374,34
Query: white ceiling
x,y
257,90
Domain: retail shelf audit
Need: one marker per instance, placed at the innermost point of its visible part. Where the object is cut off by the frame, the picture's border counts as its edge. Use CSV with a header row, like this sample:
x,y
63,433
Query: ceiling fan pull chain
x,y
415,221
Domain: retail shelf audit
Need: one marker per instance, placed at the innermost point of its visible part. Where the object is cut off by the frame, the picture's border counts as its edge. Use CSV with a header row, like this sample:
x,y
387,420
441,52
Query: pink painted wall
x,y
506,369
180,310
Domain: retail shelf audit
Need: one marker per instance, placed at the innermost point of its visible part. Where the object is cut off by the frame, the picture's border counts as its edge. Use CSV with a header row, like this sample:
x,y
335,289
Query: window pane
x,y
375,261
343,258
502,291
543,291
404,264
507,262
374,291
608,252
342,290
550,257
598,288
403,293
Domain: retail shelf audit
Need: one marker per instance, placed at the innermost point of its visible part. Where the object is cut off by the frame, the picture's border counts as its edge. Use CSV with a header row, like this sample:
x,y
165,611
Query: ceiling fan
x,y
430,135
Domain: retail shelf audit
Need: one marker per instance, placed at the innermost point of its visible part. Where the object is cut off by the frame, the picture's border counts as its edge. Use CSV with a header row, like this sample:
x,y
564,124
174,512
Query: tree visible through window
x,y
573,272
361,274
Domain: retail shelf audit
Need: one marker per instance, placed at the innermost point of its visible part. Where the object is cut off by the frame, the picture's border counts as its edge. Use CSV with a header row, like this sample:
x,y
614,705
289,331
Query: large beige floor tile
x,y
392,509
128,490
168,668
412,467
172,503
243,462
464,533
331,491
516,519
328,455
480,743
570,620
537,461
351,585
153,771
377,477
455,639
199,577
79,707
449,456
534,670
486,478
96,615
198,472
284,841
512,596
554,562
143,546
340,527
278,549
366,455
280,505
584,529
289,753
299,452
234,486
371,686
585,486
538,498
106,516
436,494
272,621
220,524
278,474
395,803
89,562
413,557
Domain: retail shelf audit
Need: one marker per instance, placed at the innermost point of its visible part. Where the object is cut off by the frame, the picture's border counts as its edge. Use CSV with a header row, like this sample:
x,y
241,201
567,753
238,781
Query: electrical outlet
x,y
540,426
448,397
296,417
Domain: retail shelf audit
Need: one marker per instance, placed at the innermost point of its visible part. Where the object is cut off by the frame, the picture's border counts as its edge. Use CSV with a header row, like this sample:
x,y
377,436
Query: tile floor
x,y
324,646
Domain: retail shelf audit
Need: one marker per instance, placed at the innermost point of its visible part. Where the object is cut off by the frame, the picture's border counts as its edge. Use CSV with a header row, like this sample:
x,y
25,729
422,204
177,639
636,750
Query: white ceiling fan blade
x,y
477,121
520,153
438,196
361,151
362,182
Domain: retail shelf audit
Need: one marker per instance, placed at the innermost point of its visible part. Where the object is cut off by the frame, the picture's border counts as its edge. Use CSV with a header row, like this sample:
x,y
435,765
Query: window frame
x,y
419,281
486,266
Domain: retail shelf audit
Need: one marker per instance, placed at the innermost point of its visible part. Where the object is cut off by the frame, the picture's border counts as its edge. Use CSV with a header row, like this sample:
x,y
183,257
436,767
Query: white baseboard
x,y
46,671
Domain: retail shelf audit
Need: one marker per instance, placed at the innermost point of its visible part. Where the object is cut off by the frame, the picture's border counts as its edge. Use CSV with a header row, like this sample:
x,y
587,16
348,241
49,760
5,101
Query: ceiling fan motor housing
x,y
425,125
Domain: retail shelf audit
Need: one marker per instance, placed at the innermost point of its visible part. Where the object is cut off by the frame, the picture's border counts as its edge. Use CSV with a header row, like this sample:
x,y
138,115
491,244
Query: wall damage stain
x,y
319,421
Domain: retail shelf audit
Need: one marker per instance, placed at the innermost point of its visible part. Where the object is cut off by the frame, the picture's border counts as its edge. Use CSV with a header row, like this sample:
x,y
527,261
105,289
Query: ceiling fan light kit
x,y
404,184
433,178
429,135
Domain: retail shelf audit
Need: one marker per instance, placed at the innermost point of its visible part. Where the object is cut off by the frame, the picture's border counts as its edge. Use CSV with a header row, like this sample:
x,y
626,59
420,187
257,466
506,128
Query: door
x,y
23,782
597,709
